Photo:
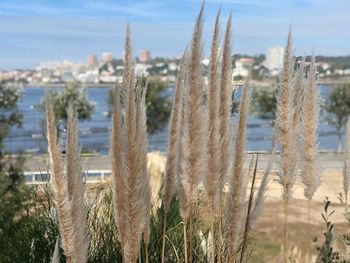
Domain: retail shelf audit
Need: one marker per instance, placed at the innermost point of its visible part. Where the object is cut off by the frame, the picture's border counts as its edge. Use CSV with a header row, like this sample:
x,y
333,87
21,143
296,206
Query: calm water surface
x,y
95,133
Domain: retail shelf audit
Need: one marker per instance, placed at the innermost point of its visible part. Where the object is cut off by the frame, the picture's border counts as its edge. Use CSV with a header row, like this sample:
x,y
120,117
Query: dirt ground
x,y
268,234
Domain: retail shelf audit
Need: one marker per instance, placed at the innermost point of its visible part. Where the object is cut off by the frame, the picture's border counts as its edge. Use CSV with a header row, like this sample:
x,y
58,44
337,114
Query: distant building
x,y
141,69
92,60
107,57
145,56
248,62
240,69
67,76
274,58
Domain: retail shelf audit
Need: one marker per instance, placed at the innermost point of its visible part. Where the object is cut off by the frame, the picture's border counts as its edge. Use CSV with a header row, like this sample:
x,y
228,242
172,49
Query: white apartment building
x,y
274,58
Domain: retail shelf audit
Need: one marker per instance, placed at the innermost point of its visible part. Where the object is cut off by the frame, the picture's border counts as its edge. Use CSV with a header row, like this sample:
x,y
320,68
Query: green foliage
x,y
71,95
13,192
102,231
264,102
30,240
337,104
24,237
158,105
174,246
9,112
327,254
12,188
32,237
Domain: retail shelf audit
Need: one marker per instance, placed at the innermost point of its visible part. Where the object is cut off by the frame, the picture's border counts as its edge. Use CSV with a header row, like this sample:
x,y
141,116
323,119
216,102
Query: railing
x,y
90,176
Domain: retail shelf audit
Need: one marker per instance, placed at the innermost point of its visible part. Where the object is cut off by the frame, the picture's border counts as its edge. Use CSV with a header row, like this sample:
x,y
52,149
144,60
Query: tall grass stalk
x,y
249,210
213,176
118,180
310,176
131,190
67,186
298,96
182,179
287,136
225,127
260,196
196,124
237,195
173,157
76,187
346,171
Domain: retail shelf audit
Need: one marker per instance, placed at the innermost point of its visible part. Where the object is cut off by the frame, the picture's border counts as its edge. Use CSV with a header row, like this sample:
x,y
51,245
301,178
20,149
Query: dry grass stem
x,y
236,194
284,123
182,176
249,210
225,126
67,187
196,124
260,197
118,178
225,106
173,156
213,176
287,135
298,96
212,180
175,127
310,176
76,188
346,171
131,189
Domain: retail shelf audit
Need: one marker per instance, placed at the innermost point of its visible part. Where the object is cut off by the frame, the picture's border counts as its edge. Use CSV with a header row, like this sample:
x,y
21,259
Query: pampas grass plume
x,y
234,201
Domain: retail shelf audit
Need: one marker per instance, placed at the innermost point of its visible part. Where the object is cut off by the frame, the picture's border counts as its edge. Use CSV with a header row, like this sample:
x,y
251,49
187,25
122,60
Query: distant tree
x,y
264,103
263,106
337,105
72,95
158,104
9,112
12,188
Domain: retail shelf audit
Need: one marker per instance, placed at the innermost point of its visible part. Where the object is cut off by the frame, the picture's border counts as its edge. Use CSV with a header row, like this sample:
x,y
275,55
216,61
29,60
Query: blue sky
x,y
32,31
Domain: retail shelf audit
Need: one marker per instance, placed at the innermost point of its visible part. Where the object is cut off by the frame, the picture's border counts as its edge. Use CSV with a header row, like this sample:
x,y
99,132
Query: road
x,y
325,161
